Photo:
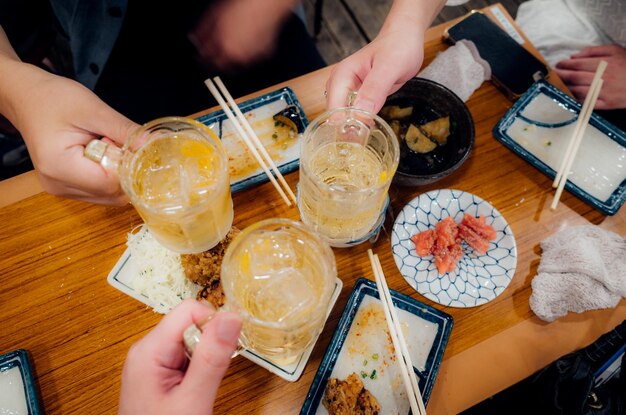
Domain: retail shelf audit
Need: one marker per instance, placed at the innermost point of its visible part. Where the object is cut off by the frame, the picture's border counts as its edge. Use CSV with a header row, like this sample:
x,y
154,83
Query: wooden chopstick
x,y
581,123
577,140
254,138
397,337
401,339
579,131
209,83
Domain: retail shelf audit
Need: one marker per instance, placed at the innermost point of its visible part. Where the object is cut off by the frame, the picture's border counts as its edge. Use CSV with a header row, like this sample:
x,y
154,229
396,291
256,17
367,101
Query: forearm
x,y
16,82
9,65
16,79
6,50
417,13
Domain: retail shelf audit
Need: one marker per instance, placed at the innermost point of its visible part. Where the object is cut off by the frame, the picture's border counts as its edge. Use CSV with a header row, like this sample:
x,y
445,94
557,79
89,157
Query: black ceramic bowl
x,y
430,101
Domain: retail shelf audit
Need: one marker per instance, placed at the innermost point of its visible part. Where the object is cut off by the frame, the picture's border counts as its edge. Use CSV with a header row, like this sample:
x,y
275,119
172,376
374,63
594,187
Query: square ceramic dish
x,y
122,275
538,128
285,151
18,392
361,345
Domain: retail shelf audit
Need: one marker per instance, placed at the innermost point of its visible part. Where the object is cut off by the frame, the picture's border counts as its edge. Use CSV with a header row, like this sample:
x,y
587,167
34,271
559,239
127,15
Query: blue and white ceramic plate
x,y
18,393
284,148
539,126
361,345
477,279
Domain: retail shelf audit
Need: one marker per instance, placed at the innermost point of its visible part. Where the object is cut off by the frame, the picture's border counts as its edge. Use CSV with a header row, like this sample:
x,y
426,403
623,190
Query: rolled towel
x,y
460,68
582,268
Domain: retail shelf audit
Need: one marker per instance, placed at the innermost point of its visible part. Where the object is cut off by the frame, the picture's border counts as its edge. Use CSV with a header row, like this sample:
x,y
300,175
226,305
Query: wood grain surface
x,y
57,253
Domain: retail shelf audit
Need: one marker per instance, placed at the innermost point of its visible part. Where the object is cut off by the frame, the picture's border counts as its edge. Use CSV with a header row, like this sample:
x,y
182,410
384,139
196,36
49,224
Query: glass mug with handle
x,y
175,172
279,276
347,160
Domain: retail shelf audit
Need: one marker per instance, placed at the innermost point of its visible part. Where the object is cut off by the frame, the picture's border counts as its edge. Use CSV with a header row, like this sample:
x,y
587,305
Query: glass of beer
x,y
279,276
347,160
175,172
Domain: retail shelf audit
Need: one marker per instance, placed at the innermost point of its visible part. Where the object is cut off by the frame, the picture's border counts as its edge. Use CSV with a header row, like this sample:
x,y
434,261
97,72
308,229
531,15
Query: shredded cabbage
x,y
159,274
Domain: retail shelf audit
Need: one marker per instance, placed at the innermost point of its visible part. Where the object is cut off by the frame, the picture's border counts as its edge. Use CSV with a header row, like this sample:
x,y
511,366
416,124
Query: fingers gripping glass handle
x,y
191,338
193,334
351,98
106,154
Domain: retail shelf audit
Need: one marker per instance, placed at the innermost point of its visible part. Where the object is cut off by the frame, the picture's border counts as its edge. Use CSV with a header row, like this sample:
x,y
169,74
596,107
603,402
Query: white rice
x,y
159,275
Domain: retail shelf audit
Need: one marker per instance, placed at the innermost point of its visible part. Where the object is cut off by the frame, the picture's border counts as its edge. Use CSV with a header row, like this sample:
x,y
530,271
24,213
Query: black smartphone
x,y
513,68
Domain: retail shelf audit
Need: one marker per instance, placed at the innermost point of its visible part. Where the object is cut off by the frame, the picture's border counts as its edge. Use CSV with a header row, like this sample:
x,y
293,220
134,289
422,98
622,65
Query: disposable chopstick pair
x,y
250,138
579,131
397,337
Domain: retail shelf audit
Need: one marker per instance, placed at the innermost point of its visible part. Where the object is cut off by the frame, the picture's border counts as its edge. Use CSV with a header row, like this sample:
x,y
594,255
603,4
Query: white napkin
x,y
460,68
582,268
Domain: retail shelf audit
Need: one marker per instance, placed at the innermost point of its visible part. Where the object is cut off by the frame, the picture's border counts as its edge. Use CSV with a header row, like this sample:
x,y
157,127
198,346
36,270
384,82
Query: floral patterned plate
x,y
477,279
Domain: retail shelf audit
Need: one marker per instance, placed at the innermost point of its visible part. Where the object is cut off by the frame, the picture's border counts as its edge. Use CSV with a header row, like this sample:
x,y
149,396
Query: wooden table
x,y
56,303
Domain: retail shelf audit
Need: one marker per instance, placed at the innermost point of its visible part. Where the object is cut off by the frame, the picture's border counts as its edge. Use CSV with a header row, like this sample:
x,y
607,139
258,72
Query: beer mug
x,y
347,160
175,172
279,276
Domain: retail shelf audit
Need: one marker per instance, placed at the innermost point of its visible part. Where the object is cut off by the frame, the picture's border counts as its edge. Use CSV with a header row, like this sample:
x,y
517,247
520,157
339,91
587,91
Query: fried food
x,y
366,404
420,138
348,397
396,112
213,293
438,130
418,142
290,117
204,269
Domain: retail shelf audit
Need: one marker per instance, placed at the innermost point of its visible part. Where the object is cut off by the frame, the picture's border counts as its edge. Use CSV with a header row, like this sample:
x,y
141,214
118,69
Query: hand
x,y
156,379
377,70
236,33
577,73
57,117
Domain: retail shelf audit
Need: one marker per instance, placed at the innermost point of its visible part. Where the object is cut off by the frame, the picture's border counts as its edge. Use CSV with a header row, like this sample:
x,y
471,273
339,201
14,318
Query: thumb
x,y
113,125
212,357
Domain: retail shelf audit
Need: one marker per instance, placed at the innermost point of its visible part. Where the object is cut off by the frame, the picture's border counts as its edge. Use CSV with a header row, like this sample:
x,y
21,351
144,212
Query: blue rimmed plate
x,y
282,147
538,128
361,345
18,394
477,279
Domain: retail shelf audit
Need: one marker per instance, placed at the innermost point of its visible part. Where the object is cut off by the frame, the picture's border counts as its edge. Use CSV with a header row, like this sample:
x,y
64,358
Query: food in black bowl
x,y
435,130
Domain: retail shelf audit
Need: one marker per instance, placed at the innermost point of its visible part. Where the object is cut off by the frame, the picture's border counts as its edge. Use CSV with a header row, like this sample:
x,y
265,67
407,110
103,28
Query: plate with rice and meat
x,y
454,248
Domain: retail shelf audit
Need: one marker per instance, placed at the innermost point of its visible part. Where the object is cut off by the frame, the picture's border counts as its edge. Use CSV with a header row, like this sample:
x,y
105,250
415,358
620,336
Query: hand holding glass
x,y
347,160
175,172
279,277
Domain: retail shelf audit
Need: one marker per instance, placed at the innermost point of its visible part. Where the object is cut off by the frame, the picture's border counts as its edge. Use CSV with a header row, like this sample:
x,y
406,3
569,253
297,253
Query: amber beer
x,y
280,277
175,173
347,160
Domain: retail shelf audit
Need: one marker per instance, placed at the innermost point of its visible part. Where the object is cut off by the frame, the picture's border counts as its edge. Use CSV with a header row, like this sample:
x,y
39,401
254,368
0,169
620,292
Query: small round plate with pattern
x,y
477,279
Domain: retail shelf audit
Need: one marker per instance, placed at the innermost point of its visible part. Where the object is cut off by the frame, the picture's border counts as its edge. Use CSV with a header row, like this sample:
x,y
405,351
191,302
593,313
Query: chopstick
x,y
249,137
397,337
254,137
579,131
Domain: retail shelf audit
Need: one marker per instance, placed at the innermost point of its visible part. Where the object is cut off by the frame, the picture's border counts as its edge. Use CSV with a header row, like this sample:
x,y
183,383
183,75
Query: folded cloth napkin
x,y
460,68
582,268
